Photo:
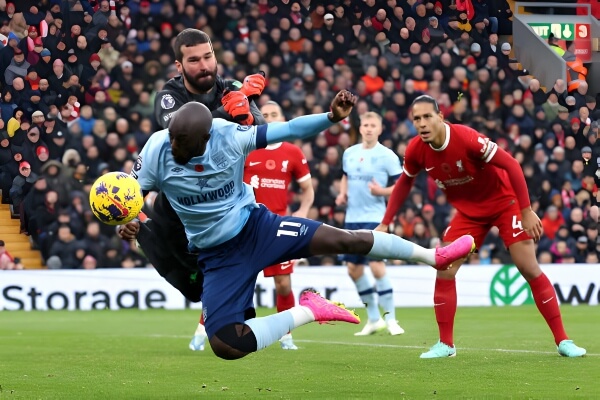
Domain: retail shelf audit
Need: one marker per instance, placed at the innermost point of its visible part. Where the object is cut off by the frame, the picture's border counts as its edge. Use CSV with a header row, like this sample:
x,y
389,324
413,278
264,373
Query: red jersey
x,y
460,168
270,171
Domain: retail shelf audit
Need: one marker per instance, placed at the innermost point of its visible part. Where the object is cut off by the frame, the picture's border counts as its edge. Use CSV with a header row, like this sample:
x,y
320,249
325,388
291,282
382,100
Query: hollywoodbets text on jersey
x,y
213,195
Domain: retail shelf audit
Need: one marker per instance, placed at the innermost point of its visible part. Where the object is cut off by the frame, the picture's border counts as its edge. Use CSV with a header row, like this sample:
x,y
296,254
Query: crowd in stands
x,y
78,81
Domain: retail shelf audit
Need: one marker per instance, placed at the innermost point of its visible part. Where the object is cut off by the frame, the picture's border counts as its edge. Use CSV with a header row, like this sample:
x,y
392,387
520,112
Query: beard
x,y
205,85
181,160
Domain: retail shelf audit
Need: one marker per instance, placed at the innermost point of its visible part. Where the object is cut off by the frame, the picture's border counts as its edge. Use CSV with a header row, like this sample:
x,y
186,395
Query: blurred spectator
x,y
65,248
6,260
22,184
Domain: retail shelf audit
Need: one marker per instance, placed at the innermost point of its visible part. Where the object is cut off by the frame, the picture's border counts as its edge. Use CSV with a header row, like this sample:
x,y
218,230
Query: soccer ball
x,y
116,198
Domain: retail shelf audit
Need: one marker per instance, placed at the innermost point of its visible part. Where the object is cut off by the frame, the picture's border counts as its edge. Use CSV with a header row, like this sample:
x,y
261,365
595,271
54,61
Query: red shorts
x,y
284,268
508,222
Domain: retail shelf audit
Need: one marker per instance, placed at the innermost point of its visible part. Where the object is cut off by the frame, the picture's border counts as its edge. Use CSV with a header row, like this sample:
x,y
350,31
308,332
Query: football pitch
x,y
502,353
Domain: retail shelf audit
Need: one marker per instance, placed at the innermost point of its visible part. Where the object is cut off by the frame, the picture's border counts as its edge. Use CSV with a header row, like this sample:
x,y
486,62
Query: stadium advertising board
x,y
114,289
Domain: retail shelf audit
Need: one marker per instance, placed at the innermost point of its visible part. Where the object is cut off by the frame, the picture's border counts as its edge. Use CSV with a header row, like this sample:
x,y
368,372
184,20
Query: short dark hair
x,y
188,38
424,98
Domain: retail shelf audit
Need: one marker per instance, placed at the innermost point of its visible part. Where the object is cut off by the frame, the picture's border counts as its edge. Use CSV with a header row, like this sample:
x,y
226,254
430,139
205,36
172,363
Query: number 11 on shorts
x,y
289,232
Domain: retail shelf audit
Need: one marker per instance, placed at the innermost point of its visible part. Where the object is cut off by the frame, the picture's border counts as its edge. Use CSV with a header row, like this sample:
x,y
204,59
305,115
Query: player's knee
x,y
233,341
448,274
356,242
283,285
355,271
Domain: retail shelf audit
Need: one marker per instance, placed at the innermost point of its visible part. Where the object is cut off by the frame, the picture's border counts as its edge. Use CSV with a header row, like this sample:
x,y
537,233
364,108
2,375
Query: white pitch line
x,y
392,346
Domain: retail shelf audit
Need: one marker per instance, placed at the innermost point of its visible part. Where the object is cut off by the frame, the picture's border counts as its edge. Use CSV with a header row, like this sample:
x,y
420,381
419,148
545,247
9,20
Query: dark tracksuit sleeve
x,y
162,107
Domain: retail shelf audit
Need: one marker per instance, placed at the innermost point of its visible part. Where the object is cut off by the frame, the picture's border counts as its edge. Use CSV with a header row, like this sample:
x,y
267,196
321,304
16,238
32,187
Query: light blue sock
x,y
270,329
386,297
386,246
366,291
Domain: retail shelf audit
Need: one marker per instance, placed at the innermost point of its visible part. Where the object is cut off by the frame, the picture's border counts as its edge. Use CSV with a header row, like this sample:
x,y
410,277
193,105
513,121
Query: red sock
x,y
285,302
546,301
444,305
202,319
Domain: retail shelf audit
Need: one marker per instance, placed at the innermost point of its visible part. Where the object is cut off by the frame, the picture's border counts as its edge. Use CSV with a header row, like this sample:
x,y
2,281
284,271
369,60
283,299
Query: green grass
x,y
503,353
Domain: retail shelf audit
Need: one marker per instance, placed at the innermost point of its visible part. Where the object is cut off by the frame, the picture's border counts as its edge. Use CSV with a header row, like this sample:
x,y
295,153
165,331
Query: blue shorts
x,y
358,258
230,269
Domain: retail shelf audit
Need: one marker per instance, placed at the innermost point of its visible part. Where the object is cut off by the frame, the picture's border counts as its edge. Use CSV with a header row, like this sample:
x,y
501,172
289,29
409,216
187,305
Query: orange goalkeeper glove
x,y
253,85
237,105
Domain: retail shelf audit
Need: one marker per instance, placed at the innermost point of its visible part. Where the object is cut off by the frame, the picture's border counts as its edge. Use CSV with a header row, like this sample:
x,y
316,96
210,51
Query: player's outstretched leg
x,y
375,244
235,341
459,249
324,310
441,258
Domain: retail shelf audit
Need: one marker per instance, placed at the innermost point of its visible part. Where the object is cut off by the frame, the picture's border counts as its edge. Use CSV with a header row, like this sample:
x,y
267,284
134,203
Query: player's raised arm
x,y
397,198
308,125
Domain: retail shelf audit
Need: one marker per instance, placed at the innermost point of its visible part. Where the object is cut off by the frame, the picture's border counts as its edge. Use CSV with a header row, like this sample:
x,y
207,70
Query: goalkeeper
x,y
162,237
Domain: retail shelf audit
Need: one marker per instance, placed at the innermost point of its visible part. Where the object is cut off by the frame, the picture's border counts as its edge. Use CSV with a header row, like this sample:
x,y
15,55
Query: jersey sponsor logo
x,y
364,178
138,164
457,181
167,102
427,169
243,128
213,195
176,170
167,117
252,164
203,183
255,181
220,159
268,183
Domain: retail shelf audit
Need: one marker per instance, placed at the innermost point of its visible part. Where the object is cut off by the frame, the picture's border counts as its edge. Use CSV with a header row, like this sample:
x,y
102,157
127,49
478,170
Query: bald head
x,y
189,132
